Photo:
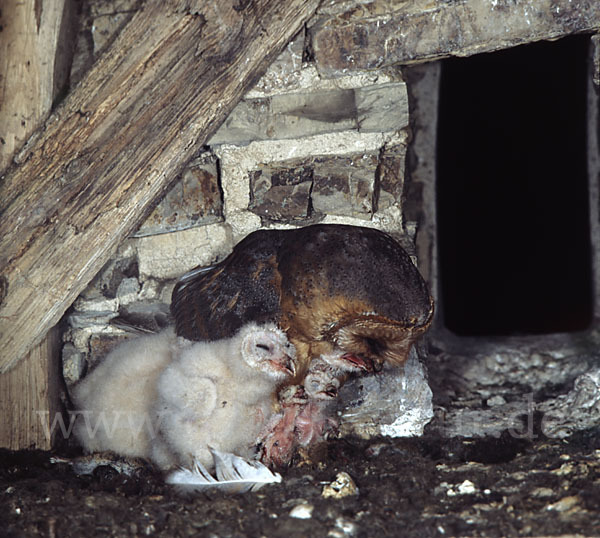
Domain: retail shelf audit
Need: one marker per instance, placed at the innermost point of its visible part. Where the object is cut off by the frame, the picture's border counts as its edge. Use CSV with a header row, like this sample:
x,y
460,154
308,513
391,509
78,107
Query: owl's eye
x,y
375,346
263,346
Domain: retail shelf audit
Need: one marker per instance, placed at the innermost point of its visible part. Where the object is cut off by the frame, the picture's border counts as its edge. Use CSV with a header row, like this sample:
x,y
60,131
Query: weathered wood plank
x,y
35,48
117,142
29,398
28,79
368,35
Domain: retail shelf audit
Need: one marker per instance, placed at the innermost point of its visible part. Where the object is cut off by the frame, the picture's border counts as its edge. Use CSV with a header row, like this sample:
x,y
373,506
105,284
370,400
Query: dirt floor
x,y
406,487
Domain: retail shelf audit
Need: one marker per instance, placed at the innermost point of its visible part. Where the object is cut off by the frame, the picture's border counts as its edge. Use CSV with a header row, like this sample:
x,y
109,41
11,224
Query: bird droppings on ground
x,y
539,487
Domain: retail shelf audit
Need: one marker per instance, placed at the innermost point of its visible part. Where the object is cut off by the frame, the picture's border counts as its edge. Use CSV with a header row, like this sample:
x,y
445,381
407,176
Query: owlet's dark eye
x,y
263,346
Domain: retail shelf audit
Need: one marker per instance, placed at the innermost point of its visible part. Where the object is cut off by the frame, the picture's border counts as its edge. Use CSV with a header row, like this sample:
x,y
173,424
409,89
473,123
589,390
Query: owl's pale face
x,y
267,349
321,385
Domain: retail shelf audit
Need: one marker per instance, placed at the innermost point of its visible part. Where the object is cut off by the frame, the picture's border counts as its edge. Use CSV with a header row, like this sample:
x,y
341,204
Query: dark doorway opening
x,y
512,191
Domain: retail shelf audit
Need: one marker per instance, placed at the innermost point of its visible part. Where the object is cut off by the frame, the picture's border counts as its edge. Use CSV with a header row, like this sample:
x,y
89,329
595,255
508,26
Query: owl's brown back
x,y
359,265
304,279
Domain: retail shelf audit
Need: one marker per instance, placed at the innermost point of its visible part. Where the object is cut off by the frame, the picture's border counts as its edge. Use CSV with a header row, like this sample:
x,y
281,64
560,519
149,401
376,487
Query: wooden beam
x,y
29,398
355,35
88,178
28,82
35,56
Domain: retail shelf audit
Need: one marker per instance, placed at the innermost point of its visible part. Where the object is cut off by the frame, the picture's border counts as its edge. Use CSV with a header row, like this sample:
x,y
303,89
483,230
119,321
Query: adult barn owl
x,y
326,285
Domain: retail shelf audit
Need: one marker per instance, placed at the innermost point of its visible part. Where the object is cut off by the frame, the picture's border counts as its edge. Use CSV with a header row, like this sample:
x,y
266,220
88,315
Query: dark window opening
x,y
512,194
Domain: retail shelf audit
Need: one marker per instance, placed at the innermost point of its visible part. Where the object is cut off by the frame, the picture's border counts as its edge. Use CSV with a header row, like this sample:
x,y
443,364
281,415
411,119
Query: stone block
x,y
286,190
80,338
82,320
284,203
151,290
345,185
376,108
170,255
195,199
99,303
382,107
288,116
102,344
391,176
128,291
281,192
73,364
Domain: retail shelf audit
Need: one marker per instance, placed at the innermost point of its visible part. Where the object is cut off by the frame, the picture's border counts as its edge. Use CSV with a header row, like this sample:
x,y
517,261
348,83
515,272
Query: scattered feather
x,y
233,475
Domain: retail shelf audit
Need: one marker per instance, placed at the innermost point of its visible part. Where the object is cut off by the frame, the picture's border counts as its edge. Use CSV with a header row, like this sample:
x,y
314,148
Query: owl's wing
x,y
194,397
214,302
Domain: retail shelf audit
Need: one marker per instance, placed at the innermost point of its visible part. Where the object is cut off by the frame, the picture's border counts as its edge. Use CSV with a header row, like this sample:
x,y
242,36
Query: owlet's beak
x,y
286,364
331,391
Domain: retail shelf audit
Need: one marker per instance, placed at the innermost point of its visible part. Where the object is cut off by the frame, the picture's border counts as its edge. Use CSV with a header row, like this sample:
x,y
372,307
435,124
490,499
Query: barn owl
x,y
220,394
114,401
165,399
328,286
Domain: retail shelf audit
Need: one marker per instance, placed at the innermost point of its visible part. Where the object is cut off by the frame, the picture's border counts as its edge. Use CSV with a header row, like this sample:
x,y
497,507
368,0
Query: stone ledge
x,y
363,36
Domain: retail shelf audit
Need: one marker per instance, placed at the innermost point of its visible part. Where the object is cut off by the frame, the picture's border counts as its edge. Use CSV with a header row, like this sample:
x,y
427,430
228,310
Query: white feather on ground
x,y
220,394
233,475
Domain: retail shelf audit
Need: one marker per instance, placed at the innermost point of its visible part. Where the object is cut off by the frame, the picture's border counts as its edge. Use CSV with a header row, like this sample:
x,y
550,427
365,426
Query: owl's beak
x,y
360,362
287,365
330,391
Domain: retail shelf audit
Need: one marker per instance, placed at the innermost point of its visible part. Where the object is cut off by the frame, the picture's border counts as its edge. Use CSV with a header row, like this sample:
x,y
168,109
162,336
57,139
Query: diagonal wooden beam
x,y
35,45
86,179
